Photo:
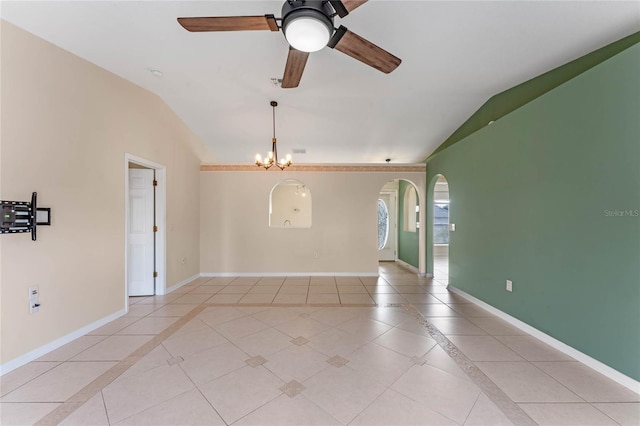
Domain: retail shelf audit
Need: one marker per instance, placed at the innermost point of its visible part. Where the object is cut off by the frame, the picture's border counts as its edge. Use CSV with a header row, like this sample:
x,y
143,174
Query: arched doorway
x,y
399,224
441,212
387,222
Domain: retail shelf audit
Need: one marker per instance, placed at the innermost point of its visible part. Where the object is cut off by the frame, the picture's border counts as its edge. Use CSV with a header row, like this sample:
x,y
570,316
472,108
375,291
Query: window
x,y
383,224
441,222
411,210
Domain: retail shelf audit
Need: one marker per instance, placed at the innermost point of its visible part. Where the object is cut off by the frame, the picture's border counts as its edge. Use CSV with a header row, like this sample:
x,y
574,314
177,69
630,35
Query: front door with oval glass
x,y
387,226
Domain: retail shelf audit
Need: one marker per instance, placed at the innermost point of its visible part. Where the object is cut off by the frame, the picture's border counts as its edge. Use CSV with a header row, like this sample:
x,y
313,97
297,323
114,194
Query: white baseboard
x,y
600,367
43,350
408,266
183,282
289,274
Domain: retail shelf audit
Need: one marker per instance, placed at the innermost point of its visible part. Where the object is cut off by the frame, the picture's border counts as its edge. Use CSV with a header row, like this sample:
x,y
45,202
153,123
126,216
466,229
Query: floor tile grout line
x,y
98,384
474,406
308,285
558,381
104,405
200,392
570,403
298,305
508,407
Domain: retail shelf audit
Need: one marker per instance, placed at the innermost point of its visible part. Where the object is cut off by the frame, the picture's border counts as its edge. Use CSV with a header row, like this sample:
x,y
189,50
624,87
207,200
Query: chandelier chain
x,y
272,156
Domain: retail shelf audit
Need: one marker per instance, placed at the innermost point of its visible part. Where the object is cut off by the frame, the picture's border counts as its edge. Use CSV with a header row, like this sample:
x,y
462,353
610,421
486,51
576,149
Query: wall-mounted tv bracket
x,y
19,216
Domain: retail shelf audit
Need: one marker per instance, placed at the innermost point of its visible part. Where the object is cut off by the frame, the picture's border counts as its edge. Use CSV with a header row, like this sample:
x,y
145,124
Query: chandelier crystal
x,y
272,156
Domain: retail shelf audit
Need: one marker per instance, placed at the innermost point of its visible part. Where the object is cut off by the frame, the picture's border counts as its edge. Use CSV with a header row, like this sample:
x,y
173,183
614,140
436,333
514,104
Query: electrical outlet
x,y
509,285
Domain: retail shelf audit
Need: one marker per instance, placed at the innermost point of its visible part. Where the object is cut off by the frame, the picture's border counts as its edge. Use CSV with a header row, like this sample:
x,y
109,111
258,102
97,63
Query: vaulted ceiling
x,y
455,55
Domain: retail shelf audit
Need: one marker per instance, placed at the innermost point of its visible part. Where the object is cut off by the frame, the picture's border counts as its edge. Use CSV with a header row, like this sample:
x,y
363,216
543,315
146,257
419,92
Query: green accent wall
x,y
512,99
408,248
549,196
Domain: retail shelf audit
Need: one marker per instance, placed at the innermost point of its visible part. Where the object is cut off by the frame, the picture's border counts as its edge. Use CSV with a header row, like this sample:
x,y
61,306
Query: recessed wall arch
x,y
290,205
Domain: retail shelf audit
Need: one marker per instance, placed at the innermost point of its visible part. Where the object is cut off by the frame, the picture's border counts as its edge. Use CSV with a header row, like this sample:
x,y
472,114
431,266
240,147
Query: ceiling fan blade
x,y
343,7
230,23
296,60
363,50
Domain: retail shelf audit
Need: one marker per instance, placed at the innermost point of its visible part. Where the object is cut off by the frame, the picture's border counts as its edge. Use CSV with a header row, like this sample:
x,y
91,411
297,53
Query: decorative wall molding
x,y
420,167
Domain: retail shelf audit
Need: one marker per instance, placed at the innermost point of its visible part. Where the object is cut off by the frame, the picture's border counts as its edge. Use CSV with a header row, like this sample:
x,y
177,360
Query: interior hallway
x,y
393,350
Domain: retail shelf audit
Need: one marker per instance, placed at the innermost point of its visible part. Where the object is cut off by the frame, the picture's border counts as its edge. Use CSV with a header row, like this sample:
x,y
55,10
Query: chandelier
x,y
272,156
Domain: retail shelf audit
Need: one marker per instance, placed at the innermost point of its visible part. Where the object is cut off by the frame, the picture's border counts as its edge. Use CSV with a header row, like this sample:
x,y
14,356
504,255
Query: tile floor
x,y
393,350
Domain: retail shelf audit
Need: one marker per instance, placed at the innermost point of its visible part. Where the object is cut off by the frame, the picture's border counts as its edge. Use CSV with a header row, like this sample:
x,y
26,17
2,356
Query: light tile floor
x,y
393,350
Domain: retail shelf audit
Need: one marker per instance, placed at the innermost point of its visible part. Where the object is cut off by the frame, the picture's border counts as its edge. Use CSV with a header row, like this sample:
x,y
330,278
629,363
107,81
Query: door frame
x,y
161,220
419,183
431,219
393,232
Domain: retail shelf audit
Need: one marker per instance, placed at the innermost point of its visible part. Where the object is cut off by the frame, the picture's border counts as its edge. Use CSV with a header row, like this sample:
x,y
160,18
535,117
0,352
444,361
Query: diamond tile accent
x,y
337,361
175,360
300,341
256,361
292,388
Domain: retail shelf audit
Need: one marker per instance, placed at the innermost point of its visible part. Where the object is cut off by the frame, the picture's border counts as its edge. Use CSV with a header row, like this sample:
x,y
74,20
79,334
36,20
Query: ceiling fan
x,y
308,27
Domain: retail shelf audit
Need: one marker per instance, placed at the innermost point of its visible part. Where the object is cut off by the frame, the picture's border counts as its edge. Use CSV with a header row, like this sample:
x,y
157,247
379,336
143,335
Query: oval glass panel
x,y
383,224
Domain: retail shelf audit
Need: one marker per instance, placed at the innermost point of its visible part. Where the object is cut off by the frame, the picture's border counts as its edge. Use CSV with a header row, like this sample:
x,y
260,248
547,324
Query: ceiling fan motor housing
x,y
298,10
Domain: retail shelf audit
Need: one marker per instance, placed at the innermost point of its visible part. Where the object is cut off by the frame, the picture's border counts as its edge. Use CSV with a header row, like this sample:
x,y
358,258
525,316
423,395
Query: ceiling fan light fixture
x,y
307,25
307,33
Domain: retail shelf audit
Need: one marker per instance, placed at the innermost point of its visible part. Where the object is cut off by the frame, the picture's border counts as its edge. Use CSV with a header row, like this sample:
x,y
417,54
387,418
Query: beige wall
x,y
66,126
236,238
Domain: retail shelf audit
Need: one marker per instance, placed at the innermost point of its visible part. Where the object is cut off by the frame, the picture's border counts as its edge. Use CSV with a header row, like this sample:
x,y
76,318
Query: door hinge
x,y
155,275
155,228
155,182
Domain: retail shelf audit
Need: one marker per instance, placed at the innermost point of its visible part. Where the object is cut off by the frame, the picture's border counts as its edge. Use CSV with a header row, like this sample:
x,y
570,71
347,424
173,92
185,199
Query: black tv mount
x,y
19,216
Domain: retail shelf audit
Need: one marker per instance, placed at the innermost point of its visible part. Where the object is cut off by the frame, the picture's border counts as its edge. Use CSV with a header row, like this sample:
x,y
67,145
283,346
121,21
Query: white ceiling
x,y
455,55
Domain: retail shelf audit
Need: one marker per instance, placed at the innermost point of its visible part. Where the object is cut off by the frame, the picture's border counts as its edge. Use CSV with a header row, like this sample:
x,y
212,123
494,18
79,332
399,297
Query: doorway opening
x,y
387,222
145,234
441,225
399,231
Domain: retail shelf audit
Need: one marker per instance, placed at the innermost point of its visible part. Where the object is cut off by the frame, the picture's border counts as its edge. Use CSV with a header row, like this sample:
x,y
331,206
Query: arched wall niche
x,y
290,205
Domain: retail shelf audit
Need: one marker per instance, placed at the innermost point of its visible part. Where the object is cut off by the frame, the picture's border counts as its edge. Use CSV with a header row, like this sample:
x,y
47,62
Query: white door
x,y
141,250
387,226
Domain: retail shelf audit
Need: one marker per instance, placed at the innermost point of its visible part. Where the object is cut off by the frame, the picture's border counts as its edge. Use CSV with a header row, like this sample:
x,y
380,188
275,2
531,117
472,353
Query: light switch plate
x,y
509,285
34,299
